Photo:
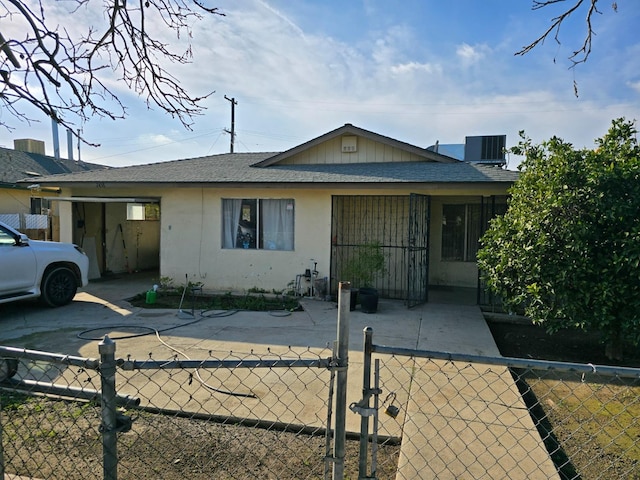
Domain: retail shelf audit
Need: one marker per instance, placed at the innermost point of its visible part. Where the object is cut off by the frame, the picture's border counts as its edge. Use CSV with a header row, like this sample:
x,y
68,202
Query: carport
x,y
119,234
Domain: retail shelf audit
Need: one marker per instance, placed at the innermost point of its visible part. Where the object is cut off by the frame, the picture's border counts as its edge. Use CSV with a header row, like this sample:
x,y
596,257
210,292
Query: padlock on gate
x,y
391,409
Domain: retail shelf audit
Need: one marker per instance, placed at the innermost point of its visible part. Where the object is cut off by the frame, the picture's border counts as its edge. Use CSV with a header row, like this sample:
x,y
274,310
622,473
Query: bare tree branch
x,y
69,77
581,54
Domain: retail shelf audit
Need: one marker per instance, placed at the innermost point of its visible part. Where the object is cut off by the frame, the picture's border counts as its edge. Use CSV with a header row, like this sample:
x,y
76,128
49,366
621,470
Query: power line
x,y
155,146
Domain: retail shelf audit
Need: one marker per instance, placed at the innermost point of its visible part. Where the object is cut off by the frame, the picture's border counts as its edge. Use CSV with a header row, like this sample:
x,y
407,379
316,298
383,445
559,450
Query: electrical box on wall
x,y
349,144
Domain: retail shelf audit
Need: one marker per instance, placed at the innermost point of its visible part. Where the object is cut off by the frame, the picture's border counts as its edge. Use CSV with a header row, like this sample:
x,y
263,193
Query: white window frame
x,y
250,232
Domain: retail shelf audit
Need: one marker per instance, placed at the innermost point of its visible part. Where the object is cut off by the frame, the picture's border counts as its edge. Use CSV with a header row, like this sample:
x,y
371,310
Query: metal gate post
x,y
1,445
339,446
107,349
366,393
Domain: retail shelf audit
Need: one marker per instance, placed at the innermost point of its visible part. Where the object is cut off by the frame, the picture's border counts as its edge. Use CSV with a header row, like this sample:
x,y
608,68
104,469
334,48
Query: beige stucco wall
x,y
13,200
192,240
189,243
65,221
236,269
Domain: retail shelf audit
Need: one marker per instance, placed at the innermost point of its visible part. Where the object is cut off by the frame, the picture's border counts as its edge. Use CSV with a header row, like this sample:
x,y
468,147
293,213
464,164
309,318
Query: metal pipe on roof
x,y
56,140
69,144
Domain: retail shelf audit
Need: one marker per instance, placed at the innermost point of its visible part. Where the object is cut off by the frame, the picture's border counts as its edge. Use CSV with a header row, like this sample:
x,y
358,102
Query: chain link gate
x,y
462,416
281,414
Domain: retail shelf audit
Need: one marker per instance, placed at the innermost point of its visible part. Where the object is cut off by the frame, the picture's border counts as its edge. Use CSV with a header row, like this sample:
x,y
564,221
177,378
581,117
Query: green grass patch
x,y
596,421
12,400
259,302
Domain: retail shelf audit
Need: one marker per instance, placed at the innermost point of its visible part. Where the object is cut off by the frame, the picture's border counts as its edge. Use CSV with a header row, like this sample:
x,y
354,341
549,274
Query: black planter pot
x,y
368,300
354,299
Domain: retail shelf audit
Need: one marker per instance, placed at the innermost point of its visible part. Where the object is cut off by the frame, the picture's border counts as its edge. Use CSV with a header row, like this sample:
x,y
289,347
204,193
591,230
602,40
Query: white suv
x,y
52,271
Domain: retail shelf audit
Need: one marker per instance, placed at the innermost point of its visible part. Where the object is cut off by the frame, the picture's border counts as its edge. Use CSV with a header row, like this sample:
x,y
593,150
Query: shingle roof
x,y
242,168
16,165
349,129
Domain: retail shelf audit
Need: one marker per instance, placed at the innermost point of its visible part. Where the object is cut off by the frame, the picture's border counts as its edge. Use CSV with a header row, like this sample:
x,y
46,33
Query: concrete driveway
x,y
102,305
101,308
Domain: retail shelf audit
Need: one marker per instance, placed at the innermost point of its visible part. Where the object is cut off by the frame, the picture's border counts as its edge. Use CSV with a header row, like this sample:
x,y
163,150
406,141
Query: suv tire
x,y
8,368
59,286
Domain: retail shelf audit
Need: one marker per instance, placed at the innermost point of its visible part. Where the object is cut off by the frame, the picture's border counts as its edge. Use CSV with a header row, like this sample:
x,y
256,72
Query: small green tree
x,y
363,268
567,250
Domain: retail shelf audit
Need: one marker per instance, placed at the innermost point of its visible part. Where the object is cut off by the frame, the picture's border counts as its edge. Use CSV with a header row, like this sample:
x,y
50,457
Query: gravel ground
x,y
49,439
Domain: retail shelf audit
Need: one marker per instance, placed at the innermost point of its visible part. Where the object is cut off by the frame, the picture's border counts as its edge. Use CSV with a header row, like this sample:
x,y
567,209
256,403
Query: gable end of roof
x,y
349,129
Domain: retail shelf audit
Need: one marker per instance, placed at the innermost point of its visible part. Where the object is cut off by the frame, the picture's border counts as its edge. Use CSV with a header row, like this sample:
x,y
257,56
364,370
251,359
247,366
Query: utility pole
x,y
232,132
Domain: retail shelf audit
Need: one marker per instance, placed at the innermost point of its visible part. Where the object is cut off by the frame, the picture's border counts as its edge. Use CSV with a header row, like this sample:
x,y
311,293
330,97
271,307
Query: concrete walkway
x,y
457,421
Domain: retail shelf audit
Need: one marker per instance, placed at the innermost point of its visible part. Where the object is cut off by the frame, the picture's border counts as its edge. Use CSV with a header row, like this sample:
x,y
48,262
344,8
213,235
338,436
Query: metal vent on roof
x,y
349,144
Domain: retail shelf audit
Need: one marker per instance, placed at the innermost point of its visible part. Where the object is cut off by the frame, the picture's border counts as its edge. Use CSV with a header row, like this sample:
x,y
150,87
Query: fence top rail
x,y
188,364
14,352
511,362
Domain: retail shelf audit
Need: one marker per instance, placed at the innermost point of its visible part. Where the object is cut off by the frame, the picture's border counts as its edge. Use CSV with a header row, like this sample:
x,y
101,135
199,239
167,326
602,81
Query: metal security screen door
x,y
418,251
491,207
388,221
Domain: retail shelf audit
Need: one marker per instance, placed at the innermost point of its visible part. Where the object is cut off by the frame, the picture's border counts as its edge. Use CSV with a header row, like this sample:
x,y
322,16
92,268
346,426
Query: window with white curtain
x,y
265,224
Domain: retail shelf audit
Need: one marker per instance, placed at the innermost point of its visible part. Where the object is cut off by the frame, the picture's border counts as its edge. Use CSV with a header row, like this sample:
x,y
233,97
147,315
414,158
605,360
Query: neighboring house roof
x,y
241,168
16,165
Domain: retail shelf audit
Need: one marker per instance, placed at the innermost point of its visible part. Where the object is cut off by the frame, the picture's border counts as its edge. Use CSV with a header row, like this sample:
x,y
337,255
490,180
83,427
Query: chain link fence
x,y
235,417
462,416
277,414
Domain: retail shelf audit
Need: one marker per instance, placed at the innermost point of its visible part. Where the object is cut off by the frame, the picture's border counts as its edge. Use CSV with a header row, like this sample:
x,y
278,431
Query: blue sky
x,y
419,71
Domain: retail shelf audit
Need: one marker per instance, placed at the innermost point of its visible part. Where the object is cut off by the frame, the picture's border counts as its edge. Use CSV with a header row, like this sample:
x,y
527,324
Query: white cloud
x,y
155,139
634,85
470,55
412,67
292,85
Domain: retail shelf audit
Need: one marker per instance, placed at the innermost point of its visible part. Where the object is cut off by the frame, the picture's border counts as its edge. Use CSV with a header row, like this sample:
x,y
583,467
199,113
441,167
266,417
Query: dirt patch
x,y
524,340
589,426
60,440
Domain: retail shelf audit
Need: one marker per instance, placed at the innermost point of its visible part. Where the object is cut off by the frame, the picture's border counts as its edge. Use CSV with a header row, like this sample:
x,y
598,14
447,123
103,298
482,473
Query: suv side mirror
x,y
22,240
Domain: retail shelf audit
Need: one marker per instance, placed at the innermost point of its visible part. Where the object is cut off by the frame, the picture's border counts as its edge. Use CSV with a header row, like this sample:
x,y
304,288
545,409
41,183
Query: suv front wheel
x,y
8,368
59,286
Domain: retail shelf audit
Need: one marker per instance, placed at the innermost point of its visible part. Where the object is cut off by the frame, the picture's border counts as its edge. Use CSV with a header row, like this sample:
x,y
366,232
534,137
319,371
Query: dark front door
x,y
418,249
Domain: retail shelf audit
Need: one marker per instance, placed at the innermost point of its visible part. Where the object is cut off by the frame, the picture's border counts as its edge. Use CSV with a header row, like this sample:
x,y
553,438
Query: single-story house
x,y
273,221
23,205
